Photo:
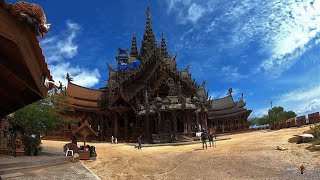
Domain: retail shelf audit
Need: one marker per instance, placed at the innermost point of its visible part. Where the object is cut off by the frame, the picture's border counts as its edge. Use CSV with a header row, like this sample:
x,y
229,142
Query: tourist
x,y
211,140
112,139
139,141
116,140
204,139
74,140
214,141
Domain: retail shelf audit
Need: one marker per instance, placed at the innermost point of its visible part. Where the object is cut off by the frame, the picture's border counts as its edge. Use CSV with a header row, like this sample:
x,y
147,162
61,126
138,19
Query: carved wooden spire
x,y
134,47
164,47
149,40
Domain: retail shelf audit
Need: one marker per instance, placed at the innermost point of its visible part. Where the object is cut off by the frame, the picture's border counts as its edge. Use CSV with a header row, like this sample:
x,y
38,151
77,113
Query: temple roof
x,y
226,111
83,98
33,38
24,74
85,130
223,103
243,112
240,103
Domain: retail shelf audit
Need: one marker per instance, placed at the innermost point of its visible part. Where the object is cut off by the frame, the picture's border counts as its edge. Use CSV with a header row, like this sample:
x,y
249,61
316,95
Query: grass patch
x,y
293,139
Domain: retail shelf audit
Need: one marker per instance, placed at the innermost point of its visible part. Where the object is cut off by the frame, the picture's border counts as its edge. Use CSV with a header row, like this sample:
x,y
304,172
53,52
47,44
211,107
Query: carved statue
x,y
35,12
175,57
69,79
241,95
187,68
122,51
172,87
178,88
204,84
60,85
230,91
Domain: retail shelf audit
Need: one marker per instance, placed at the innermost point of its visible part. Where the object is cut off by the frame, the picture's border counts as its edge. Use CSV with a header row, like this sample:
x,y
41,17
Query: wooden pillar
x,y
197,120
147,127
126,126
205,120
189,123
159,122
174,118
223,124
115,127
101,127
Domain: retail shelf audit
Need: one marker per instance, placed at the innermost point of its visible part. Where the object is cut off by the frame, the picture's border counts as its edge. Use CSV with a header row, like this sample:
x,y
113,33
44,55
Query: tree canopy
x,y
42,116
275,115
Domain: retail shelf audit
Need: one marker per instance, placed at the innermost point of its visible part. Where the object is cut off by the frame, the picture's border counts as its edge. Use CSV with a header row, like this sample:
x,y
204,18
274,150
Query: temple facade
x,y
146,94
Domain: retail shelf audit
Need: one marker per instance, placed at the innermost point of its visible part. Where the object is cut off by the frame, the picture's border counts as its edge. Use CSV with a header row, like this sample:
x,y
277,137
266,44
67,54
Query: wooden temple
x,y
24,75
146,94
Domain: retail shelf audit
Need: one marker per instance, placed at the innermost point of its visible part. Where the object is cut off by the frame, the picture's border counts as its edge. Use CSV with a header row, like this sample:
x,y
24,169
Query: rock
x,y
281,148
317,147
305,138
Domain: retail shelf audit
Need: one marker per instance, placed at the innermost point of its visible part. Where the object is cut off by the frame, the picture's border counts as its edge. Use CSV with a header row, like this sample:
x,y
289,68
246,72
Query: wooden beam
x,y
22,75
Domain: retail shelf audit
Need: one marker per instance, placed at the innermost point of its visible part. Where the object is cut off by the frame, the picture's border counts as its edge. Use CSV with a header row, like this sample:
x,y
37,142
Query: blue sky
x,y
269,50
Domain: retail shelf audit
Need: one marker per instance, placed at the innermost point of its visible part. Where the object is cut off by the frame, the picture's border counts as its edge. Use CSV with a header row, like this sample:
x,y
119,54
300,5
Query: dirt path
x,y
249,155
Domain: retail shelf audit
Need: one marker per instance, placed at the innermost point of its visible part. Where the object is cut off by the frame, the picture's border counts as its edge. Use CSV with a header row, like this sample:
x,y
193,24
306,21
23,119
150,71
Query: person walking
x,y
139,141
112,139
204,139
211,140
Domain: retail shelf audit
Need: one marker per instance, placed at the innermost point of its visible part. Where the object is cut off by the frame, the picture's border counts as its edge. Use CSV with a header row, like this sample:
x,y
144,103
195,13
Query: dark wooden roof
x,y
82,98
22,64
222,103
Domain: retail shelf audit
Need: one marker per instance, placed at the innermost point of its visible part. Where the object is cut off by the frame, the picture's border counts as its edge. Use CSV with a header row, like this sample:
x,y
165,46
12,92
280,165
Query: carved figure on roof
x,y
178,88
175,57
60,86
172,87
230,91
35,12
109,67
241,95
187,68
203,84
69,79
122,51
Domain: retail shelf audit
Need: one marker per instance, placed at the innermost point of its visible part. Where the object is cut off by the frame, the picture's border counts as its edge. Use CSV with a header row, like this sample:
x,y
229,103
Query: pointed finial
x,y
148,12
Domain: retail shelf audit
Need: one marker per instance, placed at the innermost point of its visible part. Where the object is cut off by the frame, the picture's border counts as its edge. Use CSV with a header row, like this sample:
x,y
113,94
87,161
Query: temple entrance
x,y
153,125
167,127
180,125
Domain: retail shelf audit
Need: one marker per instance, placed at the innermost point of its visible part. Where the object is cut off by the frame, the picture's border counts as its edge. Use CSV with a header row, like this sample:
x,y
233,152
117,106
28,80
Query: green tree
x,y
38,118
275,115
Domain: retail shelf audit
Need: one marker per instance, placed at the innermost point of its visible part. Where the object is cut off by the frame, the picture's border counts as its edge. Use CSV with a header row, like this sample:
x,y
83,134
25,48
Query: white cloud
x,y
310,107
231,73
187,10
259,112
301,94
302,101
60,47
60,50
195,12
285,30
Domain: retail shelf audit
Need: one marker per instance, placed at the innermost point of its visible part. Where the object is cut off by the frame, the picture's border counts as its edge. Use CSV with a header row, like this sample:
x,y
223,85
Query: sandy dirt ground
x,y
250,155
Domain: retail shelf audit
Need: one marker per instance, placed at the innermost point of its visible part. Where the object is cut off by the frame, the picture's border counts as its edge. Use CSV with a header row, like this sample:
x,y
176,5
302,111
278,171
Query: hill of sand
x,y
250,155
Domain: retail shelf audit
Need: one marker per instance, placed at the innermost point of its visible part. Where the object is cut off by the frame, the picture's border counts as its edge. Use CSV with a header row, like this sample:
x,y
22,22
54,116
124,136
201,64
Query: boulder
x,y
303,138
281,148
317,147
